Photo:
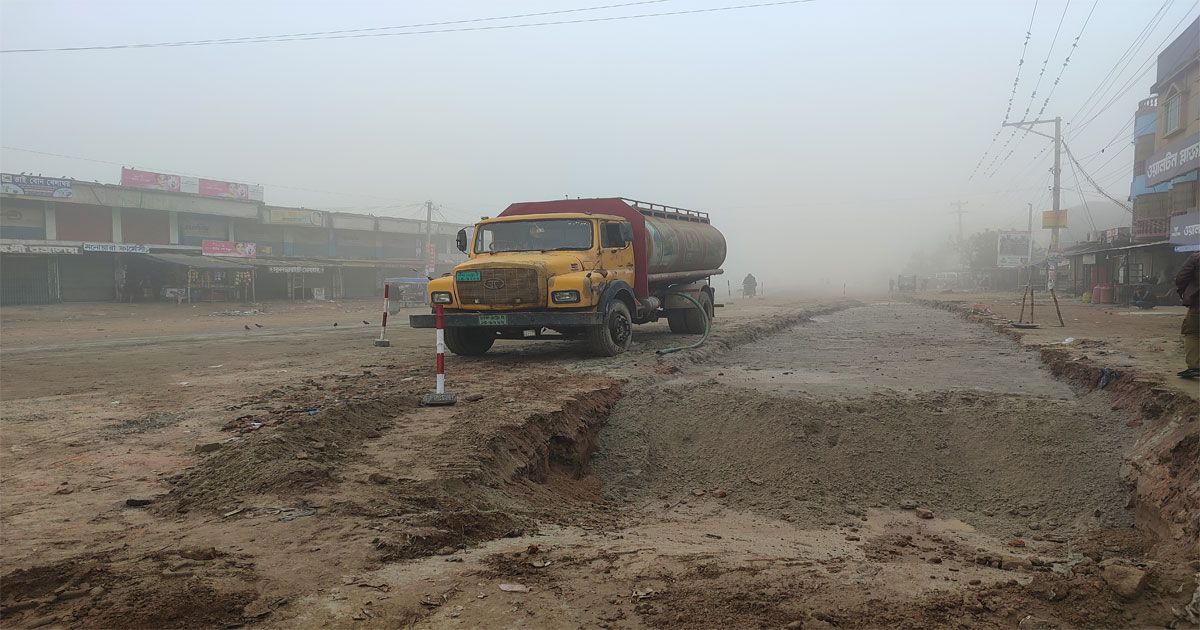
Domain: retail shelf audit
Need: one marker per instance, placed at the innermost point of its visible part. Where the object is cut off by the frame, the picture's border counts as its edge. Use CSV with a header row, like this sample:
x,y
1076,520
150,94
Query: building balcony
x,y
1147,230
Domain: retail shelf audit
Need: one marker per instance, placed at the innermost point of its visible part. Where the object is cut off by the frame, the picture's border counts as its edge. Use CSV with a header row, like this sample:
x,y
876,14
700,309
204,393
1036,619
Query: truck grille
x,y
502,285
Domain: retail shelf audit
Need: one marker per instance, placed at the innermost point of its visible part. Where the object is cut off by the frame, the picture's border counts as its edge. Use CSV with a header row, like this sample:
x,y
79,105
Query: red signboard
x,y
228,248
152,181
193,185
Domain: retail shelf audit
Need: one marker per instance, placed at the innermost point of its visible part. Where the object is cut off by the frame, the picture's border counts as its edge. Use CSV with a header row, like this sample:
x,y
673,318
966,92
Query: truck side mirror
x,y
627,233
461,240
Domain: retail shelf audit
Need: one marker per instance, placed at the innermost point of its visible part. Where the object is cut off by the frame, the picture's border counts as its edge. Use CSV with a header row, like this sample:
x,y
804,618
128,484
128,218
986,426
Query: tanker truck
x,y
578,269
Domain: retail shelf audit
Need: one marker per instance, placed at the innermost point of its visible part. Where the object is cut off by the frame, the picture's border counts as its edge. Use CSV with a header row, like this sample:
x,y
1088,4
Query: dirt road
x,y
817,464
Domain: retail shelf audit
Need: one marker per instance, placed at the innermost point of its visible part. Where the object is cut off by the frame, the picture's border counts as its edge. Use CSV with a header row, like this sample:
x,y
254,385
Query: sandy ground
x,y
1145,340
181,471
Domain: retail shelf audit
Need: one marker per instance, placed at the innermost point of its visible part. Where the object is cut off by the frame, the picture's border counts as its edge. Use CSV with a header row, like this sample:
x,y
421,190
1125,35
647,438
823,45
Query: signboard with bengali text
x,y
228,248
117,248
34,186
1178,158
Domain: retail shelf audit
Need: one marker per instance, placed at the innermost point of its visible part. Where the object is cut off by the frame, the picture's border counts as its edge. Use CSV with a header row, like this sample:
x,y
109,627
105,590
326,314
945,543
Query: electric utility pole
x,y
960,212
430,259
1027,125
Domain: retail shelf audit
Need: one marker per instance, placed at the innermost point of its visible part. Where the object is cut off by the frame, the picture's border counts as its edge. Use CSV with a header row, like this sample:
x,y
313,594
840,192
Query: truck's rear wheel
x,y
688,321
614,336
469,342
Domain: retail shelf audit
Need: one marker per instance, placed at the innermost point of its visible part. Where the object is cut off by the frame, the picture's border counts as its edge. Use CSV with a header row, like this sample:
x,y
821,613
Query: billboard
x,y
35,186
1012,248
296,216
150,180
228,248
1052,219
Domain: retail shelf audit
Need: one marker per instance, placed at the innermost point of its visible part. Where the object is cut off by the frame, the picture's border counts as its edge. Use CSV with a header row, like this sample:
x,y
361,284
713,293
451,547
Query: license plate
x,y
493,320
467,276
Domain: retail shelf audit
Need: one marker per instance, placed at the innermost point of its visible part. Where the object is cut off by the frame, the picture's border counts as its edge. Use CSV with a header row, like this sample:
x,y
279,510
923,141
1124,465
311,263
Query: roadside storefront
x,y
279,279
203,279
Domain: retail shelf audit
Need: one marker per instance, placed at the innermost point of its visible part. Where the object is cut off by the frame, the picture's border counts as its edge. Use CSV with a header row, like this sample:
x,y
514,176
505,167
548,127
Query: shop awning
x,y
195,262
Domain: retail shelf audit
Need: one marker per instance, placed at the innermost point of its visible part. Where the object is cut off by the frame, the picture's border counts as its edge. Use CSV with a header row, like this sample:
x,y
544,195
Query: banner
x,y
35,186
288,216
1012,248
149,180
228,248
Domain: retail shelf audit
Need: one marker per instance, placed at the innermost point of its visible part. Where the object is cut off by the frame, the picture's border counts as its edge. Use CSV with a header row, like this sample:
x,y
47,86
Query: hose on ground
x,y
707,328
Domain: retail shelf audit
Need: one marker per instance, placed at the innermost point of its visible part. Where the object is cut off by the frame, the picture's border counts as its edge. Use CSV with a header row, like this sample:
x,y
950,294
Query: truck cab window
x,y
612,236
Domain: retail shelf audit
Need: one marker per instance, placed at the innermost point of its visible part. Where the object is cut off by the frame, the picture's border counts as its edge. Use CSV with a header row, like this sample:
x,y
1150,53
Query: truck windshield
x,y
526,236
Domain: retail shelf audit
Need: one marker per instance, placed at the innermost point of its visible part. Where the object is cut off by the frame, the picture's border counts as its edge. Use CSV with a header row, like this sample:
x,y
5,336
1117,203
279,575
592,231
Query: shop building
x,y
63,240
1163,190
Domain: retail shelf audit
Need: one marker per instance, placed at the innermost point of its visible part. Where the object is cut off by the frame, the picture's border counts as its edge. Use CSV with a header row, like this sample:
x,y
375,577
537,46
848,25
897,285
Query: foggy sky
x,y
827,139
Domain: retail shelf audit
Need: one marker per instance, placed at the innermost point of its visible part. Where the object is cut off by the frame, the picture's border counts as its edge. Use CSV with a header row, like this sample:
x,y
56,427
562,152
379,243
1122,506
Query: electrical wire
x,y
1144,69
991,168
1012,96
1092,181
1127,57
1057,79
1082,199
359,35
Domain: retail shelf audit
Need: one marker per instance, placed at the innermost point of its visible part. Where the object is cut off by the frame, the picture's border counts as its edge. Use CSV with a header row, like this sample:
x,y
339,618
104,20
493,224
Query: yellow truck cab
x,y
578,269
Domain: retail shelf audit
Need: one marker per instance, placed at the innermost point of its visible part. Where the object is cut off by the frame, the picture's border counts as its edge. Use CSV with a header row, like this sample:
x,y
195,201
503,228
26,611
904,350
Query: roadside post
x,y
382,341
440,397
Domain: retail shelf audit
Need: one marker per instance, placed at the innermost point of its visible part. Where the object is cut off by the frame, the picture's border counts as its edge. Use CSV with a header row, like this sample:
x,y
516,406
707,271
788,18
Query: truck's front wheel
x,y
469,342
614,336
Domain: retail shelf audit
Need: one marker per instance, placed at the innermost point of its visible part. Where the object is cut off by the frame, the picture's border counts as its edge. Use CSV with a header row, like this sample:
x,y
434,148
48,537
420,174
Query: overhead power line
x,y
1144,69
1012,95
1057,79
358,33
992,166
1092,181
1126,57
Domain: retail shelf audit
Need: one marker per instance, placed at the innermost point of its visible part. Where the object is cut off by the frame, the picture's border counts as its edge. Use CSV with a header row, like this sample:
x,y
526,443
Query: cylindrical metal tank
x,y
674,245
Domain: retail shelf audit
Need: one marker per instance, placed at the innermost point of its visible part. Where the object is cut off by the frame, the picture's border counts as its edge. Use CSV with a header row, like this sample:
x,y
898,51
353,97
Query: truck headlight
x,y
565,297
441,297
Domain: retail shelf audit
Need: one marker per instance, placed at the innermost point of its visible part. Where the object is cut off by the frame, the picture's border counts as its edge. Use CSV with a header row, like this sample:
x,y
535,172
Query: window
x,y
611,236
1172,116
542,235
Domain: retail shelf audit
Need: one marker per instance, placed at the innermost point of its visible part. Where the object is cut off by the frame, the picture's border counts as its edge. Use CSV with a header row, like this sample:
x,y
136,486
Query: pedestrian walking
x,y
1187,284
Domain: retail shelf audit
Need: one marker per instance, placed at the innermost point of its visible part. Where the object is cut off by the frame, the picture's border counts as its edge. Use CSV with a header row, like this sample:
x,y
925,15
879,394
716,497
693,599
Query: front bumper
x,y
510,319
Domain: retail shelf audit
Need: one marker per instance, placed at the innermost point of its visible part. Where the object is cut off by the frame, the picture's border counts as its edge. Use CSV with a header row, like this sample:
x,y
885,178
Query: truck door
x,y
616,249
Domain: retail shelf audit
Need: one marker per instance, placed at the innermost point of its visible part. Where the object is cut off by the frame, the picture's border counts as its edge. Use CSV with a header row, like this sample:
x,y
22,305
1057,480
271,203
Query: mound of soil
x,y
180,588
290,460
1007,463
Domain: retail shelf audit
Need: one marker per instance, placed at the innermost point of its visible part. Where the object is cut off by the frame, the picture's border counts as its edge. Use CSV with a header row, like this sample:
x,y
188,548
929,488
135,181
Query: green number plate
x,y
467,276
493,320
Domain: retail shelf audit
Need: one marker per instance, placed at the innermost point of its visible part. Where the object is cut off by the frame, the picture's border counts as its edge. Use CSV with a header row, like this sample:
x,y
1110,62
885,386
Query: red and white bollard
x,y
440,397
440,320
382,341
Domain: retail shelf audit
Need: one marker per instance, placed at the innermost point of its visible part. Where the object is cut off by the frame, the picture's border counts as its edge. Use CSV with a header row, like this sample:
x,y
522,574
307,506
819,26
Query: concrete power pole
x,y
1058,143
960,212
430,258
